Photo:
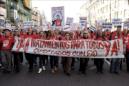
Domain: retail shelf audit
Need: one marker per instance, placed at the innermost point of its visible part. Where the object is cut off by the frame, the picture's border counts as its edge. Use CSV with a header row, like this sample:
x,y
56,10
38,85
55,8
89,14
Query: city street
x,y
46,78
93,34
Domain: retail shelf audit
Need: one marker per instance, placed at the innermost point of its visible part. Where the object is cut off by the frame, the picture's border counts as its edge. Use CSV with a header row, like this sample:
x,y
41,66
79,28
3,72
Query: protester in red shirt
x,y
30,57
23,35
18,57
107,35
53,59
42,58
1,36
117,34
67,61
84,61
116,62
35,35
8,42
92,35
99,61
127,50
124,35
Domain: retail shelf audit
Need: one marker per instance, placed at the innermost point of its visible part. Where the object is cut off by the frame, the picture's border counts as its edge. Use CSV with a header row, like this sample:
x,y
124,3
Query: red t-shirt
x,y
1,43
99,38
116,36
35,36
58,22
107,35
92,35
127,43
23,36
7,43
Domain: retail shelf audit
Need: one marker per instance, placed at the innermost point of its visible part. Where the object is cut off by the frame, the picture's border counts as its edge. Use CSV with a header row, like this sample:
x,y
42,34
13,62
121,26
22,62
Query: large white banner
x,y
73,48
58,16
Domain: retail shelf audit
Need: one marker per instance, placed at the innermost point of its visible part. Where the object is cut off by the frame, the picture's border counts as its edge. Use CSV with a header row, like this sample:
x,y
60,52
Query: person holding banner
x,y
35,35
1,35
84,61
16,54
67,61
23,35
125,42
127,51
42,58
53,59
107,35
8,42
29,56
115,62
99,61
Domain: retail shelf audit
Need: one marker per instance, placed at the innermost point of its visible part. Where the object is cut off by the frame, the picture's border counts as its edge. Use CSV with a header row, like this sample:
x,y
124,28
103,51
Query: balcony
x,y
13,15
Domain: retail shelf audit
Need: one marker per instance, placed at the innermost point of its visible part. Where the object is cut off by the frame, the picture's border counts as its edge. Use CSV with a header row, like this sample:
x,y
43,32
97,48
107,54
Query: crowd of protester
x,y
11,61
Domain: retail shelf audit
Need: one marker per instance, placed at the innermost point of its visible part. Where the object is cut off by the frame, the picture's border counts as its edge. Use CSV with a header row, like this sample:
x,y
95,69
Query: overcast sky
x,y
71,7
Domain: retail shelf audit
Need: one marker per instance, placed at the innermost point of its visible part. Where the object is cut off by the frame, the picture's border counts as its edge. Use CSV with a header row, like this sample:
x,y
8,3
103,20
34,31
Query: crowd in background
x,y
12,60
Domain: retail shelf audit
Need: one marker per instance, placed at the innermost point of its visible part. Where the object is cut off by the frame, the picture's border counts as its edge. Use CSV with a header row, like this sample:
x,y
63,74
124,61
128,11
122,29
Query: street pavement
x,y
46,78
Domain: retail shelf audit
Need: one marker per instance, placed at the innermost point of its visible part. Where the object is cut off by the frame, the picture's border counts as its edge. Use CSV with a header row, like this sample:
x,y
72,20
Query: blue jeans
x,y
115,65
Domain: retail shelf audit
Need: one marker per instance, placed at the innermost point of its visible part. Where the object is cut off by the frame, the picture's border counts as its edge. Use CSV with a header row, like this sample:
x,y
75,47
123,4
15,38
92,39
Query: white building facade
x,y
97,10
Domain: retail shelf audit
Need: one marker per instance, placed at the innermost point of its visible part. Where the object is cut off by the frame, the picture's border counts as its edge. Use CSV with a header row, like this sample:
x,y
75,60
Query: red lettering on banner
x,y
114,48
76,44
118,43
93,45
107,47
34,43
92,53
68,45
57,44
20,44
41,44
26,45
63,45
101,45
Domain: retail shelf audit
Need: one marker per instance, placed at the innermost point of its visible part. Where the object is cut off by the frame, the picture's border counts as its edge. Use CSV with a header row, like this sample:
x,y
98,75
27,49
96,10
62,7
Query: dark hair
x,y
119,26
